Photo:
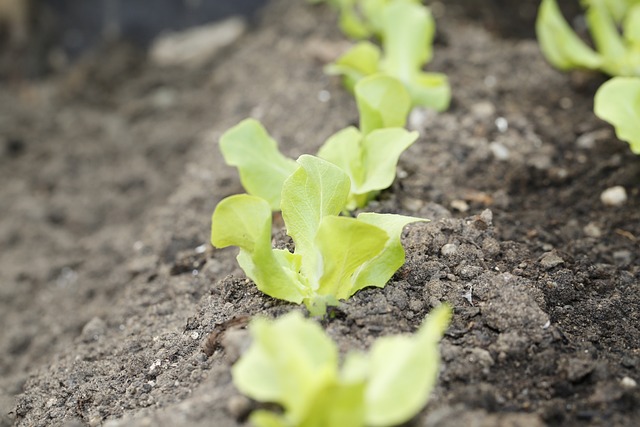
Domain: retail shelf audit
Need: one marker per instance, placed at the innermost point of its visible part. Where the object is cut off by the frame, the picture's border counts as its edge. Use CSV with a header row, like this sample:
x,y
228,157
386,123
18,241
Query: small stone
x,y
502,124
623,257
499,151
459,205
449,249
614,196
93,329
592,230
238,406
628,382
483,109
550,260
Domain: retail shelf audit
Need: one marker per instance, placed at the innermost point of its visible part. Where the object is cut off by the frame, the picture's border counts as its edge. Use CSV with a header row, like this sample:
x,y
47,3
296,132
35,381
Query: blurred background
x,y
47,34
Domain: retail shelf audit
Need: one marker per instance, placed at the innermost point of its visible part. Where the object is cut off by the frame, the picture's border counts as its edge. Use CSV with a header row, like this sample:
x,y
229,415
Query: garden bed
x,y
110,289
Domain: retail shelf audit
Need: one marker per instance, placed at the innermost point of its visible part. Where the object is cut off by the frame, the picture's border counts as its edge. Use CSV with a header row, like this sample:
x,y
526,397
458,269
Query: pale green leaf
x,y
618,102
245,221
383,102
377,271
381,150
344,150
263,418
358,62
404,370
345,244
339,405
608,41
317,189
431,90
631,31
559,43
261,166
290,362
408,31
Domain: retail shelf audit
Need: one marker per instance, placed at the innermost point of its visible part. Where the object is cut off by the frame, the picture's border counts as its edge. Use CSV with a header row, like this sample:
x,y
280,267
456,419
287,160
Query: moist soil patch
x,y
116,311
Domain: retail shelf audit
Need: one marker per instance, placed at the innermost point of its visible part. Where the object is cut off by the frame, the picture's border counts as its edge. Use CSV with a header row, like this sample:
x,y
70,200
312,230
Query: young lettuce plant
x,y
616,54
618,102
369,155
334,256
407,31
294,363
360,19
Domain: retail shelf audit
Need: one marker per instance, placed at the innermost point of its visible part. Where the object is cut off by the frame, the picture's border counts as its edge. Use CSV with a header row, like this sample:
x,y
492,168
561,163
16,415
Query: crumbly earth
x,y
110,290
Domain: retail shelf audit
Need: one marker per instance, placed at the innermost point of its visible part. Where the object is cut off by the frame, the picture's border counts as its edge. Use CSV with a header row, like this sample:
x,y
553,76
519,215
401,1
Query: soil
x,y
110,290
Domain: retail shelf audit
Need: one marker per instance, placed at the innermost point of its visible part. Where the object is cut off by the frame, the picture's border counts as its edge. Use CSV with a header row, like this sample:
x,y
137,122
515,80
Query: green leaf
x,y
431,90
261,166
245,221
344,150
290,362
358,62
631,30
378,270
381,150
559,43
408,31
383,102
618,102
608,41
370,162
404,371
317,189
345,245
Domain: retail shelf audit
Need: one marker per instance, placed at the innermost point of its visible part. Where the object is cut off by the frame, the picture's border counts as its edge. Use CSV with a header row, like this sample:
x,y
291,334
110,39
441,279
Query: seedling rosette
x,y
368,155
616,53
293,363
407,31
334,256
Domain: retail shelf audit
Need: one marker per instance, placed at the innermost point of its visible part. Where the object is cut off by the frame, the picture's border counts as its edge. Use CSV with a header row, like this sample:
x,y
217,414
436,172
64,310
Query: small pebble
x,y
628,382
499,151
614,196
93,329
550,260
483,109
238,406
449,249
592,230
502,124
459,205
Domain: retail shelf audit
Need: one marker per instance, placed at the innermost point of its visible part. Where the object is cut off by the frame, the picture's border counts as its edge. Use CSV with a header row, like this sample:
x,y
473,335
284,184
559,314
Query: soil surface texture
x,y
110,293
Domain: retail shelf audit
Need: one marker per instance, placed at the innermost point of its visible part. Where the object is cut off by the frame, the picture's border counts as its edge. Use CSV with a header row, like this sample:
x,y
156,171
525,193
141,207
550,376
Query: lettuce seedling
x,y
360,19
334,256
615,54
618,102
407,30
368,155
292,362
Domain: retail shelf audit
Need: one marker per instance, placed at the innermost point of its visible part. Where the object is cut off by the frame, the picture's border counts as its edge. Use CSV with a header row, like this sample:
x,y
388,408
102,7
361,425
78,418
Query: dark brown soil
x,y
110,289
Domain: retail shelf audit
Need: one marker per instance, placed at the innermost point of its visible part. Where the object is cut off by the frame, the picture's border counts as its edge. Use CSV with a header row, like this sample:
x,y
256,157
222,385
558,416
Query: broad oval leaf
x,y
559,43
261,166
383,102
381,150
241,220
378,270
360,61
403,372
618,102
290,361
345,244
317,189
